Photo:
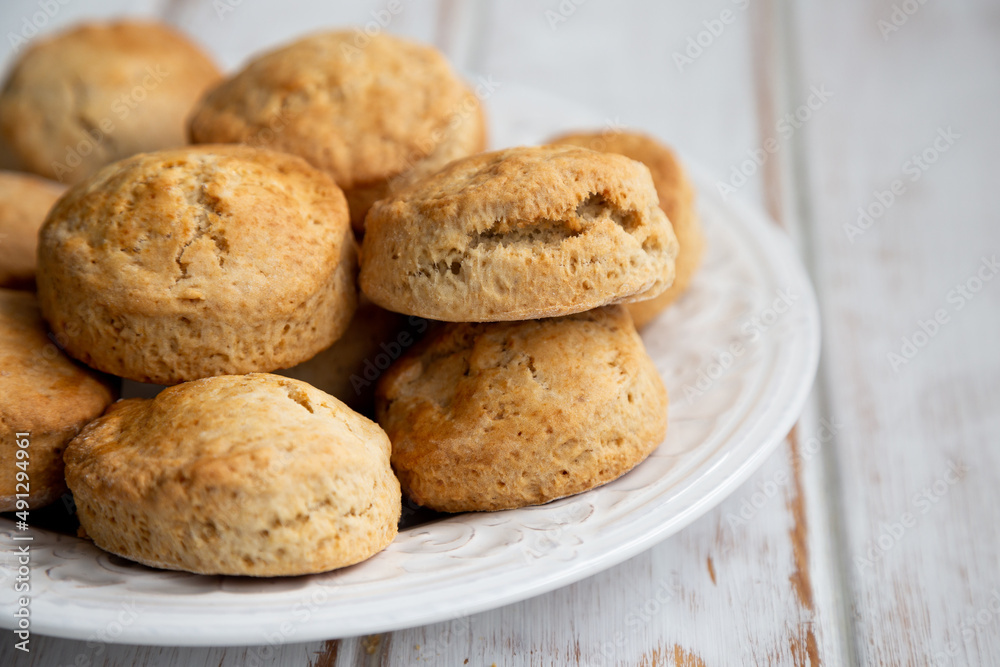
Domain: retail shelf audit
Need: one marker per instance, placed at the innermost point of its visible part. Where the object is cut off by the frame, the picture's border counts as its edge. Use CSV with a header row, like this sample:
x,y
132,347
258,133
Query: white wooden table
x,y
882,542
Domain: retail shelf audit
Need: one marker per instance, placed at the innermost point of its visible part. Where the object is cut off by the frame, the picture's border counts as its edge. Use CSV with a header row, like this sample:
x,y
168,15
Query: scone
x,y
253,475
45,399
676,199
374,118
350,368
502,415
25,200
98,93
200,261
519,234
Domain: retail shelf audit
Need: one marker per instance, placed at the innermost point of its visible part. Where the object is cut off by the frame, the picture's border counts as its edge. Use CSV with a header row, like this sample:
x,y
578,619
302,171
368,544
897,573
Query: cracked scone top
x,y
253,475
519,234
492,416
200,261
676,199
374,116
98,93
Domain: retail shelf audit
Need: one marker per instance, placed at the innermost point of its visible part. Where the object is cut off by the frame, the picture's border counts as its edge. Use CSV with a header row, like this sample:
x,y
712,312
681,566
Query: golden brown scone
x,y
100,92
42,393
375,118
676,199
467,138
495,416
253,475
200,261
25,200
519,234
350,368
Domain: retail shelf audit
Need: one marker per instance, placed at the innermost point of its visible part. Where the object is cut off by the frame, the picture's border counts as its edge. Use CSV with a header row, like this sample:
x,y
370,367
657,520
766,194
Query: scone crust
x,y
43,393
676,199
503,415
518,234
349,369
207,260
253,475
465,135
142,78
362,114
25,200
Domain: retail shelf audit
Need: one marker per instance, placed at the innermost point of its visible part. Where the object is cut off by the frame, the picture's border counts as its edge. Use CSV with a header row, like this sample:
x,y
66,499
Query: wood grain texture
x,y
791,569
666,606
921,541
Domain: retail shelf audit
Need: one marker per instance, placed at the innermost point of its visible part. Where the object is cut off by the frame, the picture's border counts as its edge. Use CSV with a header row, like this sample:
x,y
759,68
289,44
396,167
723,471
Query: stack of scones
x,y
345,299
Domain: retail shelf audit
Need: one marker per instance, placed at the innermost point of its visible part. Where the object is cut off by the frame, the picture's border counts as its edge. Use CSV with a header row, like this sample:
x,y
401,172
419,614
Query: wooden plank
x,y
754,589
917,459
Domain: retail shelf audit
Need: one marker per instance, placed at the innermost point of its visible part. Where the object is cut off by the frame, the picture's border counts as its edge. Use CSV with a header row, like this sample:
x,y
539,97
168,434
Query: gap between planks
x,y
780,83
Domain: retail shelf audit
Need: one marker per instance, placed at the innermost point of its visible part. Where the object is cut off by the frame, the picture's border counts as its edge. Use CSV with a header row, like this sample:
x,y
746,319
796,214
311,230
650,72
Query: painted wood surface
x,y
877,541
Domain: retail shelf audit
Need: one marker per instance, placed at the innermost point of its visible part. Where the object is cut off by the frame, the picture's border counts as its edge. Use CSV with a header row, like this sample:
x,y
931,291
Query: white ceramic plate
x,y
736,410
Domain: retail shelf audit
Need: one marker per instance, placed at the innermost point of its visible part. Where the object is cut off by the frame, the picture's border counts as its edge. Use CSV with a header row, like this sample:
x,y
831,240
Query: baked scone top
x,y
219,223
361,113
242,431
236,474
517,234
113,88
676,195
41,389
672,185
